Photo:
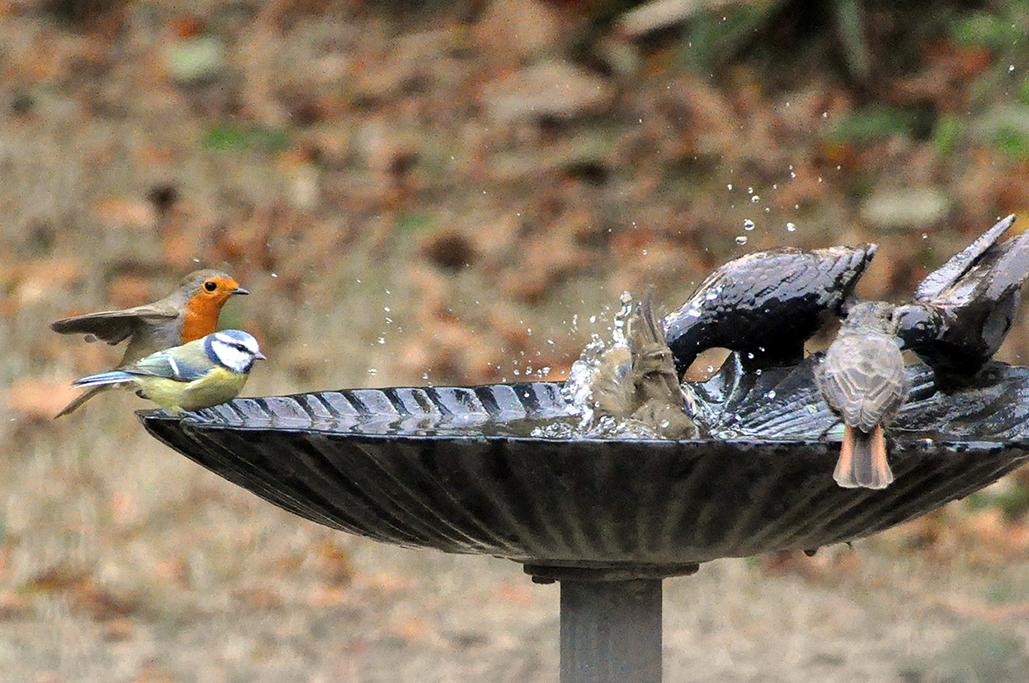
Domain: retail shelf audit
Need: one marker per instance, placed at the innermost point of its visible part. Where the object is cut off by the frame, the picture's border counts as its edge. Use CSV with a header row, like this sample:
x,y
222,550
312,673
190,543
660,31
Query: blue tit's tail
x,y
112,377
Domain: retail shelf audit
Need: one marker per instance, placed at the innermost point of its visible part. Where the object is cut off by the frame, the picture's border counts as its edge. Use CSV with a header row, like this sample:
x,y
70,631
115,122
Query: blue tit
x,y
199,374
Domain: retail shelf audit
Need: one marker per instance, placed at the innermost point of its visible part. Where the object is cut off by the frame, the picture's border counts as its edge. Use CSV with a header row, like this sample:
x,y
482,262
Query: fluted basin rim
x,y
900,441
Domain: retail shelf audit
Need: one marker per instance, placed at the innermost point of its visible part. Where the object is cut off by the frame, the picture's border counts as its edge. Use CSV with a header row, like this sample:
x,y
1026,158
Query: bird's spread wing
x,y
172,364
862,378
611,385
946,276
653,363
115,326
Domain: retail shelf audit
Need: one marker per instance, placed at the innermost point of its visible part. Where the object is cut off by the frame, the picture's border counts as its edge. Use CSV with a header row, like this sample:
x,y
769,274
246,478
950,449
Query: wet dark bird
x,y
638,379
962,311
767,304
862,379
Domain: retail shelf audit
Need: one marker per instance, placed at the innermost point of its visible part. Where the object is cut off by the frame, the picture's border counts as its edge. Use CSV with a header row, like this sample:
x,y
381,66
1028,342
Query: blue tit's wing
x,y
184,363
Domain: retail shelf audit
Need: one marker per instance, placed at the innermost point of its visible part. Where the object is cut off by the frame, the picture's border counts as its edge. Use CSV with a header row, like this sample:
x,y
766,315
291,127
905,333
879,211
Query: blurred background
x,y
457,192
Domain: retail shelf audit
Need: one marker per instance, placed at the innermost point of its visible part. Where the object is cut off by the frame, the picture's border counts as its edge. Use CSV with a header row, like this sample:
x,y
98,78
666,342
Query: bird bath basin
x,y
452,468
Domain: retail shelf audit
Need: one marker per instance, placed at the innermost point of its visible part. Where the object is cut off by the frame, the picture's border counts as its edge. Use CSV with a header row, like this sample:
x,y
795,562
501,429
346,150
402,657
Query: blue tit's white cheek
x,y
231,357
251,345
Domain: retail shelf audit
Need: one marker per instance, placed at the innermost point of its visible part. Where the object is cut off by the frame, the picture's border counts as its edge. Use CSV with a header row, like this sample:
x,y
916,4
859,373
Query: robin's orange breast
x,y
201,318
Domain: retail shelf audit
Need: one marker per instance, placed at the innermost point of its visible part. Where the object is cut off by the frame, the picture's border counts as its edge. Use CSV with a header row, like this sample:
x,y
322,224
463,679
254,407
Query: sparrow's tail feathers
x,y
79,400
863,462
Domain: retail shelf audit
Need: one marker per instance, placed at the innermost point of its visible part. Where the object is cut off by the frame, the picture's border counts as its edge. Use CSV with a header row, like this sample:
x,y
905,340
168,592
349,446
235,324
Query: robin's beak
x,y
259,355
239,290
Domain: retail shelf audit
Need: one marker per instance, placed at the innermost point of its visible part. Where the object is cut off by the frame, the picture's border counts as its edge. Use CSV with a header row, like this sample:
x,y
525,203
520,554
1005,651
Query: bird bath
x,y
451,468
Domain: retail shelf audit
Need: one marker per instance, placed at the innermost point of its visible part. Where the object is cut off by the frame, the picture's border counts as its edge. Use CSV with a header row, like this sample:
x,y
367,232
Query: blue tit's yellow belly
x,y
217,386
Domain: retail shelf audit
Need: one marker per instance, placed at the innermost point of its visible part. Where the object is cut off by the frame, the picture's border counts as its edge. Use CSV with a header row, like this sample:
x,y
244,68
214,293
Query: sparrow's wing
x,y
862,378
612,385
653,363
945,277
116,326
184,363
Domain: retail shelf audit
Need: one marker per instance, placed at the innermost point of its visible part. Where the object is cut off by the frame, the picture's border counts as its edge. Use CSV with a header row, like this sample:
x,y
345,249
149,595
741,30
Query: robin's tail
x,y
80,399
862,462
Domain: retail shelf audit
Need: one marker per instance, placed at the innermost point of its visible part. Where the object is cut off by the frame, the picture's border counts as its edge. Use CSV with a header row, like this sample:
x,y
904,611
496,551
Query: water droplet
x,y
790,227
741,239
748,224
275,275
372,371
750,190
729,187
825,114
755,199
593,318
1011,68
381,340
425,375
771,393
925,236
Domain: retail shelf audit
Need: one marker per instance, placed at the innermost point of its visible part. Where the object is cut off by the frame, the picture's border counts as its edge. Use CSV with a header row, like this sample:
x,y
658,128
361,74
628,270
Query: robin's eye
x,y
210,285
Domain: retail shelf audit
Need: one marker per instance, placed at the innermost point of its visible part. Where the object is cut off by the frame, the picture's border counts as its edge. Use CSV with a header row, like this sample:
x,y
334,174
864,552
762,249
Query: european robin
x,y
188,313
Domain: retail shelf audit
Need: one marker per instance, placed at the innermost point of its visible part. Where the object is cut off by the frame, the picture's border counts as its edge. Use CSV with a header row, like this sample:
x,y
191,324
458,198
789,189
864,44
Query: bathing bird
x,y
199,374
963,310
638,379
188,313
862,380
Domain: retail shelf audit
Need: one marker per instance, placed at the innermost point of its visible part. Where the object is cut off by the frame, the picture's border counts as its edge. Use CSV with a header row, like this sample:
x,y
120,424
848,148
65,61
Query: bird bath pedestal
x,y
609,519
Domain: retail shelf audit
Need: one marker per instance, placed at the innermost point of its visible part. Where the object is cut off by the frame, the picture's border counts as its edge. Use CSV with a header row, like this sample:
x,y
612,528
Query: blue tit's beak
x,y
260,356
240,290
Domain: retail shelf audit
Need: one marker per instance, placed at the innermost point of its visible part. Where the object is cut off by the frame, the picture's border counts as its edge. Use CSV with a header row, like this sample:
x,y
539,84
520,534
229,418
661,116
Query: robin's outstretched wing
x,y
115,326
862,378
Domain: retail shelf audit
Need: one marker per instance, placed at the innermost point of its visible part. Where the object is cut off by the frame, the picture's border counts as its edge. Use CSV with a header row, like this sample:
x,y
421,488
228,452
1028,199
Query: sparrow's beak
x,y
260,356
240,290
